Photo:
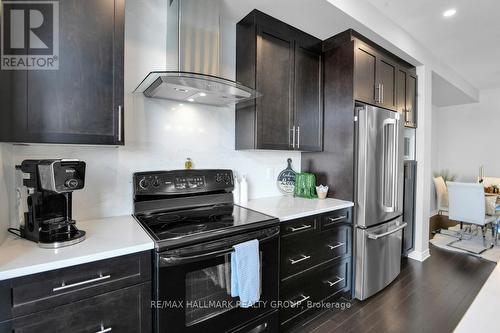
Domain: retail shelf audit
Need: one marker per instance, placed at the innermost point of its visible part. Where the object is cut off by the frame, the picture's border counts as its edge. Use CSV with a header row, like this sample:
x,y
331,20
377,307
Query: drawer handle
x,y
303,227
66,286
335,219
104,330
304,298
296,261
331,284
333,247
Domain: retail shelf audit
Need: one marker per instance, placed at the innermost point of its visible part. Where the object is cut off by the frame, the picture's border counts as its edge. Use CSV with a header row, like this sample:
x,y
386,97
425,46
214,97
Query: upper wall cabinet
x,y
284,65
374,77
81,102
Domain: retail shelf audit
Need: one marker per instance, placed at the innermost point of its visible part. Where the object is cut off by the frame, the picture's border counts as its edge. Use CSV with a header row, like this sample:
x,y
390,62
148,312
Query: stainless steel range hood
x,y
193,43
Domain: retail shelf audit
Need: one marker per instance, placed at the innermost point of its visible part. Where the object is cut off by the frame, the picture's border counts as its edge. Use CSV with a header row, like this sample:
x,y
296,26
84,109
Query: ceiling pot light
x,y
449,12
190,99
202,94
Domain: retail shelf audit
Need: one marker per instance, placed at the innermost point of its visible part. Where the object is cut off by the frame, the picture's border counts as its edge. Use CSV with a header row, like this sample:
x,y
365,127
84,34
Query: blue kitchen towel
x,y
245,273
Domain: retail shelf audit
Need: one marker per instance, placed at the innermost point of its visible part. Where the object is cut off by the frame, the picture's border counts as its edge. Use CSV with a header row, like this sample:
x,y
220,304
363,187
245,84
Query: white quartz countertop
x,y
105,238
288,208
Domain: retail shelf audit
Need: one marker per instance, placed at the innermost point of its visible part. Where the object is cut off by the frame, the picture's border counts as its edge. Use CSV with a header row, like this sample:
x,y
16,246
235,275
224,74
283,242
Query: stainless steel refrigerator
x,y
379,199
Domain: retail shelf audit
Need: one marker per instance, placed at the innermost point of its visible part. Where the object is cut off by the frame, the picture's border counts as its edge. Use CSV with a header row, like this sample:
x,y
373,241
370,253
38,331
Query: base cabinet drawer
x,y
314,286
126,311
301,254
43,291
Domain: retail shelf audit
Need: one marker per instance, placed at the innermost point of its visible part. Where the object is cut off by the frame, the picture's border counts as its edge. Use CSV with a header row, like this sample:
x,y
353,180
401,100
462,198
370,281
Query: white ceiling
x,y
469,42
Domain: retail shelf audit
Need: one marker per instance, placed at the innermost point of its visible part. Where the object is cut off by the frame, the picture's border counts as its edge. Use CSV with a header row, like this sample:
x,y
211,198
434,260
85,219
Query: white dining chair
x,y
467,205
442,195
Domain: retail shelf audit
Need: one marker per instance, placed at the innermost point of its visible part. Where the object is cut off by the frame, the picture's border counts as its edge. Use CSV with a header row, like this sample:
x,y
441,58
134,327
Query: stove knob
x,y
156,182
227,179
144,183
218,178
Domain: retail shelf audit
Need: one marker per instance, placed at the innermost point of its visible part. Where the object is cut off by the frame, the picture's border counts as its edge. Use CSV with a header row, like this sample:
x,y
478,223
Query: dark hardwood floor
x,y
426,297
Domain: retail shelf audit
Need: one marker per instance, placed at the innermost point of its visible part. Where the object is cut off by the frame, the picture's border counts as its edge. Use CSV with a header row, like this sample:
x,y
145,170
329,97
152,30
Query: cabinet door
x,y
275,51
308,99
411,101
401,91
82,101
386,77
365,64
125,310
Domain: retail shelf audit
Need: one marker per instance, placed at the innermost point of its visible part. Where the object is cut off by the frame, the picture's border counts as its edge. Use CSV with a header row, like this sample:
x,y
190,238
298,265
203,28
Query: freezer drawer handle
x,y
333,247
377,236
104,330
331,284
302,300
303,227
67,286
296,261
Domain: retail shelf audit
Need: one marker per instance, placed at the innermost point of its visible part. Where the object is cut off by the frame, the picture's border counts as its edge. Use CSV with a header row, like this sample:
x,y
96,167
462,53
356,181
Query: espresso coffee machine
x,y
46,196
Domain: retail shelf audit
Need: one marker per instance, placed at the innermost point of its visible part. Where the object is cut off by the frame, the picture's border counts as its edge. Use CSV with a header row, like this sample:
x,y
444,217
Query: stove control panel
x,y
178,182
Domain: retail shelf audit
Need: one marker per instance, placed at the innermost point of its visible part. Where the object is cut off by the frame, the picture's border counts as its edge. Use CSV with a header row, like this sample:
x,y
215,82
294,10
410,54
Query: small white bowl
x,y
322,191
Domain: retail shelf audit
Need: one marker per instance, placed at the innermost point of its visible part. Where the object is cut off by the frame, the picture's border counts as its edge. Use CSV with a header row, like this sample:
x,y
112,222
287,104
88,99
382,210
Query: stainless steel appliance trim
x,y
333,247
331,284
303,227
377,236
67,286
296,261
394,160
57,245
304,298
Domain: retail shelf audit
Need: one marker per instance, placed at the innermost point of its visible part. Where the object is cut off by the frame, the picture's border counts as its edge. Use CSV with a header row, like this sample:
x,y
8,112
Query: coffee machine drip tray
x,y
65,236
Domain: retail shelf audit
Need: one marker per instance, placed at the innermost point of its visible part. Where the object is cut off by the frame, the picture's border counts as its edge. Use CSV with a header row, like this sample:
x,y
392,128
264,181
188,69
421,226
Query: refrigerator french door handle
x,y
377,236
391,208
395,185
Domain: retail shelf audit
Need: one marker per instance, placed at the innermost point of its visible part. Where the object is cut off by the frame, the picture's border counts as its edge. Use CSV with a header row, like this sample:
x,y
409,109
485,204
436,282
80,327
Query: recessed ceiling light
x,y
190,99
202,94
449,12
181,90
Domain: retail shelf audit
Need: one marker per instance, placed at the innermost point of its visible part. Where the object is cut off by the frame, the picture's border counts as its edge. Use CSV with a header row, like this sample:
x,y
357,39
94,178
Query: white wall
x,y
467,136
434,158
161,134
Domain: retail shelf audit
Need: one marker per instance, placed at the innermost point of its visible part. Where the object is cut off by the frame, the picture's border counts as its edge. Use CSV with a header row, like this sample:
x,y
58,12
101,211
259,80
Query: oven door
x,y
193,285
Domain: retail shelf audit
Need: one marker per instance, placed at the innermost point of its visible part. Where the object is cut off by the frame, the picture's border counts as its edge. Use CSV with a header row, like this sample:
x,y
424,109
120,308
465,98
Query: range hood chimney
x,y
193,43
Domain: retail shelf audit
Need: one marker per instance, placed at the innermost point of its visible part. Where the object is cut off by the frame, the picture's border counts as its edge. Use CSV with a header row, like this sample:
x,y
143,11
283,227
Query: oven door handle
x,y
176,259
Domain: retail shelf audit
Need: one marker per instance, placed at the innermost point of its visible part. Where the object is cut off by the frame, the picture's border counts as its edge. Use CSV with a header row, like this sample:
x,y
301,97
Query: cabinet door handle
x,y
333,247
338,218
104,330
303,227
381,93
331,284
293,136
67,286
296,261
120,116
298,137
302,300
377,93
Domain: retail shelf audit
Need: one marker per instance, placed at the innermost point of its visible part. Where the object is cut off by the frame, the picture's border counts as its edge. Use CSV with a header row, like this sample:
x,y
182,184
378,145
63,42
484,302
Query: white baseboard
x,y
419,256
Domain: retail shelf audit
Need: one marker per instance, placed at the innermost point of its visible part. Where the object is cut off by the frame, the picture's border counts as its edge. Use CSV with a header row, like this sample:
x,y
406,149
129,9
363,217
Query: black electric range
x,y
183,207
191,217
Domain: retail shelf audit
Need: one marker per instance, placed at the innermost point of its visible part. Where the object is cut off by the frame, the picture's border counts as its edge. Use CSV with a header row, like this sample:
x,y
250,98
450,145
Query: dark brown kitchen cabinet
x,y
315,263
81,102
114,293
284,65
355,70
374,77
407,97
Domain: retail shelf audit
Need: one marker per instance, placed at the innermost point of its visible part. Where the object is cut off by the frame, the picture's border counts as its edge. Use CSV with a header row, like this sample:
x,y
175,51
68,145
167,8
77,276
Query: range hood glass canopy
x,y
194,88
